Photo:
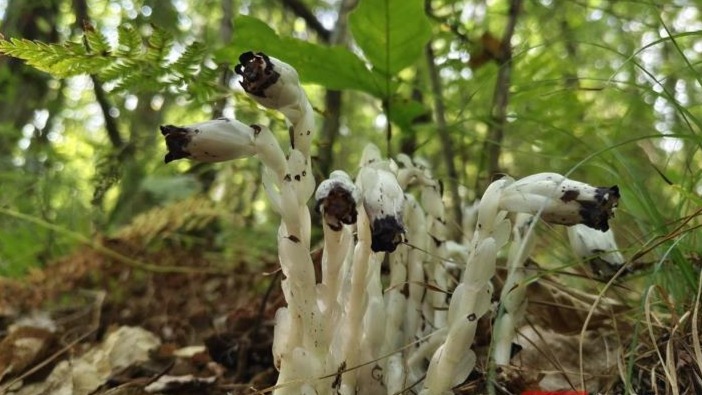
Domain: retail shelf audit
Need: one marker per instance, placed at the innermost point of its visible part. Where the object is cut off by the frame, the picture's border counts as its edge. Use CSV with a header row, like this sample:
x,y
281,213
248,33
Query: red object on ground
x,y
533,392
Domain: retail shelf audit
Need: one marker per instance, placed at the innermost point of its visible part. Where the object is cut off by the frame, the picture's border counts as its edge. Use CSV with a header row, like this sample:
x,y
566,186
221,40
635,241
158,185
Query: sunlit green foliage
x,y
135,64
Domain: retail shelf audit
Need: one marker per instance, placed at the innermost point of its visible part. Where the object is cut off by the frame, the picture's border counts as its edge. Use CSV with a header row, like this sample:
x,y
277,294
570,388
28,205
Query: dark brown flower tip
x,y
386,234
177,139
257,72
597,213
338,207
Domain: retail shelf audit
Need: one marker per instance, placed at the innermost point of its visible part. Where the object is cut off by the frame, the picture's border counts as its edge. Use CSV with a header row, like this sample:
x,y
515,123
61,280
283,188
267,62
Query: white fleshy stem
x,y
337,199
436,234
379,229
355,305
403,299
337,245
370,375
418,237
414,327
436,220
513,295
429,236
452,362
396,309
301,352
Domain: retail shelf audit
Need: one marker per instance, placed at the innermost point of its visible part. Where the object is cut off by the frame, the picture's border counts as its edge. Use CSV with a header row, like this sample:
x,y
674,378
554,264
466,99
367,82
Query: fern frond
x,y
60,60
137,63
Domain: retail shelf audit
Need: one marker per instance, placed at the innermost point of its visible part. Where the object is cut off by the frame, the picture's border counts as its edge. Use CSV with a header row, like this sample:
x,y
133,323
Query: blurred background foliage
x,y
607,91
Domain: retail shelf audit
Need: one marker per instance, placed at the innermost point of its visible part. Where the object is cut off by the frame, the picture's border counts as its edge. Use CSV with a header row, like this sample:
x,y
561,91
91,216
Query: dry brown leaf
x,y
551,360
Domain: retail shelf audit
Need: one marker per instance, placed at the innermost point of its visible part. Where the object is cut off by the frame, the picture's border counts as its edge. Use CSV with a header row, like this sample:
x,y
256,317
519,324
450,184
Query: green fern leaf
x,y
129,42
159,46
97,43
60,60
189,61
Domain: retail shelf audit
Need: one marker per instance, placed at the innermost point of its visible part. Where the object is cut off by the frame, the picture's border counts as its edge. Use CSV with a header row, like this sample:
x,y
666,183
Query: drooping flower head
x,y
562,201
210,141
598,249
257,71
272,83
383,200
336,199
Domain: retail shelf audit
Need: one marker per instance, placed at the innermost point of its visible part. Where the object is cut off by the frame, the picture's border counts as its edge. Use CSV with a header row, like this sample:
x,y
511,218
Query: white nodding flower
x,y
336,199
599,249
561,200
270,81
217,140
382,200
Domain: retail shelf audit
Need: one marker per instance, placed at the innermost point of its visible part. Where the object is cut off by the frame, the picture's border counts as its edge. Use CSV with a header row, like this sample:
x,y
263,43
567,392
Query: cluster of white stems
x,y
352,332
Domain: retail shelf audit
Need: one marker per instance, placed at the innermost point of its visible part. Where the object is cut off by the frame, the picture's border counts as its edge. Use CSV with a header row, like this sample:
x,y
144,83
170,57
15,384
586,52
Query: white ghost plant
x,y
349,332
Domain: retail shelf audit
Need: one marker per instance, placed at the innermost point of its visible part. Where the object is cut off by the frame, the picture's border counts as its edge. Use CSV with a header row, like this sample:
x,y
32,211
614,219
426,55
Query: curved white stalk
x,y
269,152
409,173
275,84
432,203
356,304
415,269
451,363
513,295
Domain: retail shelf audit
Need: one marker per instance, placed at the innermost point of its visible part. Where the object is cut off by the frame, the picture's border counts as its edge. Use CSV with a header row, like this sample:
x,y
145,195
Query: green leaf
x,y
97,42
332,67
129,41
189,62
159,45
391,33
403,112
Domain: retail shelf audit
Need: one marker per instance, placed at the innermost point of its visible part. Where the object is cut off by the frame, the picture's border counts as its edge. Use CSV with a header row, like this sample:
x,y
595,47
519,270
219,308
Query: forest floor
x,y
213,328
189,326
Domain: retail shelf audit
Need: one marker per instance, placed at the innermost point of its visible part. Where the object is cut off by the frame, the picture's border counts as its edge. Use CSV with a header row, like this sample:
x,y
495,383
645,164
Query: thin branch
x,y
333,99
496,131
81,10
110,123
445,137
301,10
225,34
329,132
